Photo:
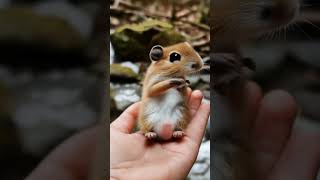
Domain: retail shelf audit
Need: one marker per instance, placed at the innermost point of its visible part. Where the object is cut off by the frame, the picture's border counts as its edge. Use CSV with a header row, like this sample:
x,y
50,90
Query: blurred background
x,y
289,59
136,26
52,76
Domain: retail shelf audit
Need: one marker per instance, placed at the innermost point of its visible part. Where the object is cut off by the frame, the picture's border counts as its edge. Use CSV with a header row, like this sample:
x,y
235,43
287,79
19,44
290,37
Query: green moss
x,y
123,72
145,26
25,26
133,42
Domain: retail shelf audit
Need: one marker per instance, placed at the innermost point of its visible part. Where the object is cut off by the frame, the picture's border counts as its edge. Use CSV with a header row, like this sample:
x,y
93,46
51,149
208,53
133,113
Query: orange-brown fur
x,y
158,80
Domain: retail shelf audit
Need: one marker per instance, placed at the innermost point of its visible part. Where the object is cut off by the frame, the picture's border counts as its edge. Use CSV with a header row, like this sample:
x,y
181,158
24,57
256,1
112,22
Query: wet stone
x,y
201,168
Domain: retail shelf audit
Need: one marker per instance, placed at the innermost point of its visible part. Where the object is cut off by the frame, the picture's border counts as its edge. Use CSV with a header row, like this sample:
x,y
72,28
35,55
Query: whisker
x,y
269,35
279,33
273,35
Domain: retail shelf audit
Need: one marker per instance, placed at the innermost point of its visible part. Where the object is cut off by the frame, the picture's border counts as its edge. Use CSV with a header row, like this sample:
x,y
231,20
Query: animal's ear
x,y
156,53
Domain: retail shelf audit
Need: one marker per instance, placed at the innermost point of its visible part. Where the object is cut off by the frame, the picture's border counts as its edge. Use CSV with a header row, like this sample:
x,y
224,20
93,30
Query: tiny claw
x,y
177,81
150,135
228,70
178,134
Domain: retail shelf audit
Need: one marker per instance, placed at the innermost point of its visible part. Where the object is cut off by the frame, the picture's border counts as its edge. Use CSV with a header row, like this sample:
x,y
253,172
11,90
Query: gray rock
x,y
125,95
4,3
48,106
111,58
193,80
201,169
48,114
135,68
205,78
119,71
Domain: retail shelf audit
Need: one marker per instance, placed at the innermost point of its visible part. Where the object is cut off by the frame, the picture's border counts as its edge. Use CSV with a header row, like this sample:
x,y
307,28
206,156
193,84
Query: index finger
x,y
197,126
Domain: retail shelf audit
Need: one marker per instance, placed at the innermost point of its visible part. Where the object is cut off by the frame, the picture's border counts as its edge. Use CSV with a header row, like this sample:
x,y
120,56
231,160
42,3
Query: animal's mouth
x,y
203,68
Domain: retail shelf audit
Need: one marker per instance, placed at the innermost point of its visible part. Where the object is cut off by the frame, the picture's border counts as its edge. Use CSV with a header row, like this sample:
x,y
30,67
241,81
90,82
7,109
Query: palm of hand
x,y
132,154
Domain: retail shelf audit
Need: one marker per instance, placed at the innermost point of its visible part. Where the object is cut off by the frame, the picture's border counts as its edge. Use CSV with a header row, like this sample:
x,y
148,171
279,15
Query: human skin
x,y
281,151
156,160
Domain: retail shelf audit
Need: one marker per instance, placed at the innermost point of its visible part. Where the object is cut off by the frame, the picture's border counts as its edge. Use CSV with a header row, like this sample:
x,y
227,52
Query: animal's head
x,y
249,17
176,58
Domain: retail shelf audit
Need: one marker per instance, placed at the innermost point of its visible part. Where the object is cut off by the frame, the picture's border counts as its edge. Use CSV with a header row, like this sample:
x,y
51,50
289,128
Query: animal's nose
x,y
195,65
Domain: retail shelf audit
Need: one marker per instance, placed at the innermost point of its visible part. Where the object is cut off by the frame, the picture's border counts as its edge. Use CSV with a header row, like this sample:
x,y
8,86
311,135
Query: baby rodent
x,y
233,24
164,112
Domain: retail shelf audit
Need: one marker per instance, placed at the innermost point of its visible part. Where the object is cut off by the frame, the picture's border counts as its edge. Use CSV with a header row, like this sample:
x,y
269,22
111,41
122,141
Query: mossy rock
x,y
24,26
145,26
167,38
134,41
120,73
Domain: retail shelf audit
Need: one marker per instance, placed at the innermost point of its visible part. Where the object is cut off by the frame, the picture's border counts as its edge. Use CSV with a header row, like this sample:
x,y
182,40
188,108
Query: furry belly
x,y
165,112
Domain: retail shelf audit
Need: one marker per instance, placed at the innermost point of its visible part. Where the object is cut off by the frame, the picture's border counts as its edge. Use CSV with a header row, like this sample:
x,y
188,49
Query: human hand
x,y
72,160
133,157
282,151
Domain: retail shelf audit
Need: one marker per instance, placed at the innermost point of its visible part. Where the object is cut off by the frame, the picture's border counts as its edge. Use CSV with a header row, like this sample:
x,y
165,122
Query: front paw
x,y
229,69
150,135
178,134
178,82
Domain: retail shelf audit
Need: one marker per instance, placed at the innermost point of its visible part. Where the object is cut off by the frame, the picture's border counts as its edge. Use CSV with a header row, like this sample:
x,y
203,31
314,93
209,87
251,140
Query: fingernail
x,y
197,93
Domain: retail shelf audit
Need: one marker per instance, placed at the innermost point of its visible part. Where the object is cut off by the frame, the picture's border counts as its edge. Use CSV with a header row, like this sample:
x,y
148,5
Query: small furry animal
x,y
164,113
233,23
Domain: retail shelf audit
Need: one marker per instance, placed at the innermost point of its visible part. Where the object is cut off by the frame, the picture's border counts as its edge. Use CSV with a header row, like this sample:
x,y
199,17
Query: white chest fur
x,y
166,108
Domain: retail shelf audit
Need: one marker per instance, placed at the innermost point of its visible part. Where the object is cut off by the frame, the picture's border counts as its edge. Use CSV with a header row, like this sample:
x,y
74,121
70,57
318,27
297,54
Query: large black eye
x,y
175,57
